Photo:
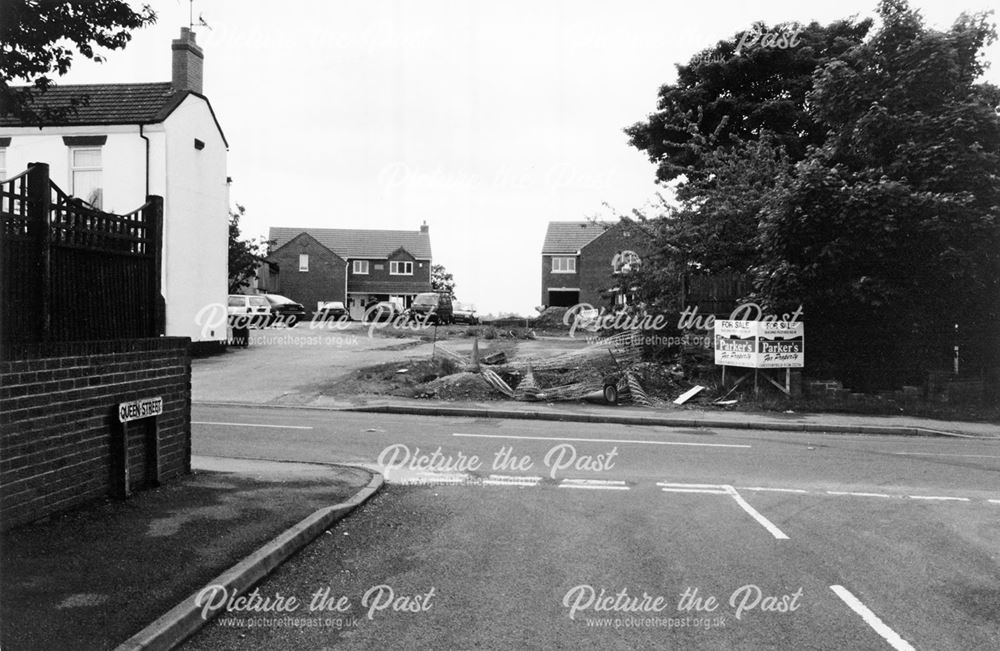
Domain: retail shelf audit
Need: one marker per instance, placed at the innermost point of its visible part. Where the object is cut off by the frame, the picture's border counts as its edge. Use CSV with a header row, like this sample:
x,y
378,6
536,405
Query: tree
x,y
245,256
725,133
889,232
726,98
441,280
865,187
38,39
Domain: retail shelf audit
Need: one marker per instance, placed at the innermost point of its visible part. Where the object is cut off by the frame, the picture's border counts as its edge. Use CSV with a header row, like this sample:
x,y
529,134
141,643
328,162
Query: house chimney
x,y
424,227
188,62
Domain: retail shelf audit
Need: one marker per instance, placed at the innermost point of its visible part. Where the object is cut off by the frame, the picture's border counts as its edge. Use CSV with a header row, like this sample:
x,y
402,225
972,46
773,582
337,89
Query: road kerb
x,y
612,419
185,619
655,421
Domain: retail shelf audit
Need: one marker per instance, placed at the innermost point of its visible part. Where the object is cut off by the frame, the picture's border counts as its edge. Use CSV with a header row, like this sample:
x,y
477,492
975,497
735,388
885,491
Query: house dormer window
x,y
361,267
625,261
564,265
86,175
400,268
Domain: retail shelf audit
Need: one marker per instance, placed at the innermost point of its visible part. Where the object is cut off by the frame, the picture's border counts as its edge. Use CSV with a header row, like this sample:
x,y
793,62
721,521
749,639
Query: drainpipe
x,y
143,136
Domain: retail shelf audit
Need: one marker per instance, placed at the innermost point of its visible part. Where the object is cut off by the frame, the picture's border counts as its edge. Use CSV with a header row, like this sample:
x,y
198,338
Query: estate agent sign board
x,y
760,344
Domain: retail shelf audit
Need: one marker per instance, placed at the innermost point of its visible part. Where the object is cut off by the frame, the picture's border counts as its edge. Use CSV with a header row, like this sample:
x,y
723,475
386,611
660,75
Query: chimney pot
x,y
424,228
188,62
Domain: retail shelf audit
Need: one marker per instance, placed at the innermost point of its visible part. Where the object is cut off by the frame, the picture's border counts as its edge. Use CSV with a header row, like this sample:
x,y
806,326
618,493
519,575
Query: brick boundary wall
x,y
58,408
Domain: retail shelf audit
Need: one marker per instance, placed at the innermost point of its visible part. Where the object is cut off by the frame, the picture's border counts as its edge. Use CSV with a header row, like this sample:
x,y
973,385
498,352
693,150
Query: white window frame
x,y
73,168
360,267
394,268
563,264
303,262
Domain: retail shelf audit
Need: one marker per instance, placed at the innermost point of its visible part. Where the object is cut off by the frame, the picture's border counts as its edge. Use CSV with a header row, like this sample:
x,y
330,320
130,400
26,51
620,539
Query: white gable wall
x,y
196,219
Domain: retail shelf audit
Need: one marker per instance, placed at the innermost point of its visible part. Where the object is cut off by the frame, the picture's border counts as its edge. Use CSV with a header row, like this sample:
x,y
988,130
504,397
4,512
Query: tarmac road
x,y
816,541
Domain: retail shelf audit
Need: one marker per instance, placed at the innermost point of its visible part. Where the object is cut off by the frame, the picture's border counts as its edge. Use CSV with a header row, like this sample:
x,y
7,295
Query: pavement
x,y
59,590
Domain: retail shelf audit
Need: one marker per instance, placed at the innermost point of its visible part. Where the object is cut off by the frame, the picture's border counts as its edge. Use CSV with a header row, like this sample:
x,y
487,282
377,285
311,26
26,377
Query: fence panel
x,y
74,273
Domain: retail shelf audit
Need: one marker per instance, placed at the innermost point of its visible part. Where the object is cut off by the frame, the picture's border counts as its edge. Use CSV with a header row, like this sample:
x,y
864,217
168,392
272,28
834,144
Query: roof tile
x,y
353,243
107,103
570,237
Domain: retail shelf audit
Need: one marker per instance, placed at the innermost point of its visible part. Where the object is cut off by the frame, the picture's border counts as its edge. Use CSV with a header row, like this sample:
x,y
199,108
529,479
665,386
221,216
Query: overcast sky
x,y
487,120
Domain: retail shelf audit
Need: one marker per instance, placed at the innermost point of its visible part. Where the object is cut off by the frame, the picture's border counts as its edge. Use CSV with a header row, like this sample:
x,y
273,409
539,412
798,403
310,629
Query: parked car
x,y
250,304
332,311
433,307
382,311
285,309
465,313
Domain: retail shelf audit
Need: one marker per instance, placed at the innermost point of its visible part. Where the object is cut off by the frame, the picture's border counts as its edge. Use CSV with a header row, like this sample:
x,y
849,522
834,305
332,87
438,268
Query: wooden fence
x,y
717,294
69,272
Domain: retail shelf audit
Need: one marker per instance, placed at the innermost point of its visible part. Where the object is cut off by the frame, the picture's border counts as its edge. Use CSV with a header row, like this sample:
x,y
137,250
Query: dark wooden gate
x,y
69,272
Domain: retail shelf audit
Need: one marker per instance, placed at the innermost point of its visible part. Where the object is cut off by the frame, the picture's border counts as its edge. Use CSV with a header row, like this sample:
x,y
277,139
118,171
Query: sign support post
x,y
145,412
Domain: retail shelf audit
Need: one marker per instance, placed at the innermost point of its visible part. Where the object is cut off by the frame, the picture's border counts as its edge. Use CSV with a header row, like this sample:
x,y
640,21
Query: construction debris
x,y
497,382
494,359
687,395
574,374
528,389
636,391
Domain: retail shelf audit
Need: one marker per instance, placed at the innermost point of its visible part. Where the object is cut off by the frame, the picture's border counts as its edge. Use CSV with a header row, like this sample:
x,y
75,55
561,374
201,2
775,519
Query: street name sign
x,y
137,409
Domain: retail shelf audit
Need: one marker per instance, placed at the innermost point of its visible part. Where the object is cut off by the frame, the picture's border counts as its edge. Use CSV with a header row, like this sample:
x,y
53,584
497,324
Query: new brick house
x,y
581,262
131,140
355,266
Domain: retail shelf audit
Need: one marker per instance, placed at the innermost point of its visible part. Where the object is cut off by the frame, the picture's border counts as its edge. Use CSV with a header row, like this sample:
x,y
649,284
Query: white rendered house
x,y
132,140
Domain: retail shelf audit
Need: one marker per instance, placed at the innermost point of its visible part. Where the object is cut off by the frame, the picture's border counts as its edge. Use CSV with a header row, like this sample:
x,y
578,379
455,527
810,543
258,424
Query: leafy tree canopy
x,y
38,39
861,180
441,280
727,97
245,256
894,221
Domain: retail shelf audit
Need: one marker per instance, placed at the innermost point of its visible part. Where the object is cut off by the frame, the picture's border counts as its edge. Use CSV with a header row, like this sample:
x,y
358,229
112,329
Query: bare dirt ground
x,y
359,362
298,365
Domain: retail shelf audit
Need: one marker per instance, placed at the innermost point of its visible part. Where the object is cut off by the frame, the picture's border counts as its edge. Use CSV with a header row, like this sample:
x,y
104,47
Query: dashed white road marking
x,y
511,480
602,482
861,494
204,422
944,454
707,491
717,488
724,489
870,618
772,490
591,440
594,484
711,489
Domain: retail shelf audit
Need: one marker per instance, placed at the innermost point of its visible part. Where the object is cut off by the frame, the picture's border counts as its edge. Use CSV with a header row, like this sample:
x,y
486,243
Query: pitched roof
x,y
148,103
352,243
570,237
